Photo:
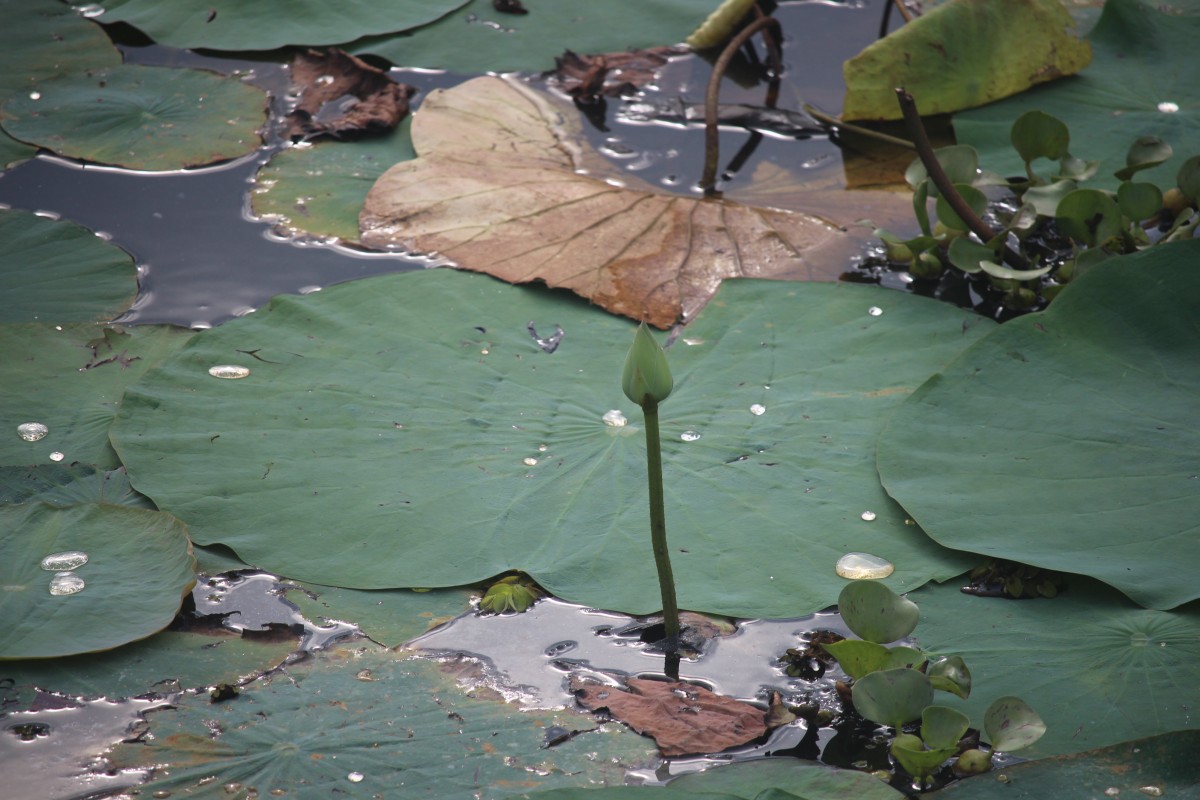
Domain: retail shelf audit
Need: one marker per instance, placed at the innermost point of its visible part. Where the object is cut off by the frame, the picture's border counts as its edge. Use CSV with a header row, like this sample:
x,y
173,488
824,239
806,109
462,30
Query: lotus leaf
x,y
139,566
497,187
319,189
1157,766
268,24
150,118
1095,668
60,272
767,779
1137,84
389,616
38,40
1086,412
67,484
408,430
70,378
403,728
964,54
477,39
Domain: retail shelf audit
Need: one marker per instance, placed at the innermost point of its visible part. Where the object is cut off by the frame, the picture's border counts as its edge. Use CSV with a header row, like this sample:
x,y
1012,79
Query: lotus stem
x,y
658,538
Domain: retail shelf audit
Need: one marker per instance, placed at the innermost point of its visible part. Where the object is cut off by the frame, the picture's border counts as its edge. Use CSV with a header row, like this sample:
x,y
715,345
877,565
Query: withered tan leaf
x,y
681,717
503,185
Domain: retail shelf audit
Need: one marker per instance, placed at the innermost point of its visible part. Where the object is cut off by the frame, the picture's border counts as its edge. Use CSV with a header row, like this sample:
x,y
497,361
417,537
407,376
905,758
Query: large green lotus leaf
x,y
1157,766
406,430
150,118
963,54
319,189
70,379
478,39
769,779
268,24
1067,439
54,271
1096,668
38,40
165,662
1137,67
67,484
408,731
389,616
139,568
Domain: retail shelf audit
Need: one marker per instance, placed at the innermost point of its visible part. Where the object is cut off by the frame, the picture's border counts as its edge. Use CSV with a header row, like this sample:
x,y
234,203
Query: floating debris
x,y
229,372
64,561
32,431
65,583
614,419
863,566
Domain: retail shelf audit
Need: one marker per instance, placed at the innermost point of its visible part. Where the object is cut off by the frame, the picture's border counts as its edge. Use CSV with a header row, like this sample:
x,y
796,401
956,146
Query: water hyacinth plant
x,y
647,381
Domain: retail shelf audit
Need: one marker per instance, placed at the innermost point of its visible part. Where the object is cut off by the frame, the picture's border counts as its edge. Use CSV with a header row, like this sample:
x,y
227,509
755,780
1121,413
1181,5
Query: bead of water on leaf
x,y
863,566
758,409
614,418
874,311
689,436
1151,791
57,456
355,777
229,371
35,95
65,583
1112,791
868,516
1167,107
32,431
64,561
529,462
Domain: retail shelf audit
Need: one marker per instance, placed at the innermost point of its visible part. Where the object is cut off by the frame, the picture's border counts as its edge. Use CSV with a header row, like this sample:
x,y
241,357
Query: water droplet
x,y
67,560
35,95
1162,644
324,80
874,311
90,10
689,436
693,342
868,516
1167,107
558,648
483,352
1112,791
65,583
863,566
233,787
57,456
758,410
529,462
355,777
365,675
543,448
161,794
1151,791
229,371
32,431
614,419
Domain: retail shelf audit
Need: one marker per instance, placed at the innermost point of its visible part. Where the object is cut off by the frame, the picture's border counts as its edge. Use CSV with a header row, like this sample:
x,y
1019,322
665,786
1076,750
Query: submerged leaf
x,y
498,187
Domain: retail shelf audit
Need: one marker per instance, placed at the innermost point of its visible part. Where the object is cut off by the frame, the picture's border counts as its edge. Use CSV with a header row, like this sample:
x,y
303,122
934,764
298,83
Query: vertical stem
x,y
658,537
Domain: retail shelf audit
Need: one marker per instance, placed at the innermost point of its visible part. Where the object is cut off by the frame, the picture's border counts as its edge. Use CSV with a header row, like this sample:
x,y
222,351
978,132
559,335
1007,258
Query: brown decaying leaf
x,y
502,185
611,74
681,717
322,78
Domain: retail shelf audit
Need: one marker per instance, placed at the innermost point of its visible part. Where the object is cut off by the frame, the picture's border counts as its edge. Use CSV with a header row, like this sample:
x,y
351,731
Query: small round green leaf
x,y
1011,724
876,613
950,674
942,726
1009,274
138,568
1045,199
917,761
151,118
1089,216
960,162
1139,201
1188,178
968,255
1144,153
892,696
857,657
1036,135
976,200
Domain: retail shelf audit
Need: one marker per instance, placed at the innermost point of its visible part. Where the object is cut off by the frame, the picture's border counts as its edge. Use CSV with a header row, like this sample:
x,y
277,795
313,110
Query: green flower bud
x,y
647,377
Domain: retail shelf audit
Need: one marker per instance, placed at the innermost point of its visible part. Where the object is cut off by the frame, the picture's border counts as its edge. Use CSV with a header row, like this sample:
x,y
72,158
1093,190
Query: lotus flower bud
x,y
646,377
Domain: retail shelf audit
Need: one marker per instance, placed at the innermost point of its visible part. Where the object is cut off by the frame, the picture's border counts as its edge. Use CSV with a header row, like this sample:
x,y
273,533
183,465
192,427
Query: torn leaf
x,y
373,102
681,717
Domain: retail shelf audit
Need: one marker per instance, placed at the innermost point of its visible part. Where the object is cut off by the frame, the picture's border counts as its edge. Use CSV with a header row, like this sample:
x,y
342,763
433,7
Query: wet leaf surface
x,y
964,54
52,271
1156,766
1099,440
406,416
138,567
67,484
530,215
1137,67
389,616
39,40
682,718
266,25
149,118
322,79
319,729
1096,668
70,378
